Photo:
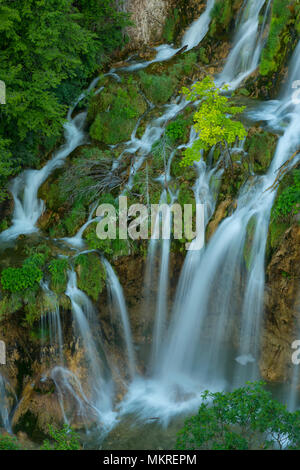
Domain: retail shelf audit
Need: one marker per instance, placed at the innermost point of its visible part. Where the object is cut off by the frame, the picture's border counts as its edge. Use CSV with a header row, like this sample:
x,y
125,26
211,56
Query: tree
x,y
247,418
49,49
213,120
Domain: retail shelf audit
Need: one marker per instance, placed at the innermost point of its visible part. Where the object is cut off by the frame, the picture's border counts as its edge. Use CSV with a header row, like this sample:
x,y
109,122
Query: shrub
x,y
19,279
9,443
247,418
63,439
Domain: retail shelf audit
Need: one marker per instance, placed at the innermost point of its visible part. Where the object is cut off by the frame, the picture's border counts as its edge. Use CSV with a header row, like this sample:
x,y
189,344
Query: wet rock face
x,y
154,19
148,17
282,308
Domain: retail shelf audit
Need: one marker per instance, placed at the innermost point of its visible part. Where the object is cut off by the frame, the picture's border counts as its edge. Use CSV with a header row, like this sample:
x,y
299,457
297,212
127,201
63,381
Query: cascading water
x,y
51,323
248,43
193,36
218,286
27,207
118,303
4,408
77,241
100,385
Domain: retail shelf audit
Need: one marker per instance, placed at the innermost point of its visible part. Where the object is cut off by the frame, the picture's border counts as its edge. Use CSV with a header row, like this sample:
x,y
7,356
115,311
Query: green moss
x,y
178,130
158,88
260,146
170,25
286,206
75,218
91,274
249,242
58,271
114,112
10,304
222,15
278,38
288,200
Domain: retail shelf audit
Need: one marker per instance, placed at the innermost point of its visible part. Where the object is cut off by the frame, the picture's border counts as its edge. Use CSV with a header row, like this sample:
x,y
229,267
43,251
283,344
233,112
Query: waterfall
x,y
24,188
51,323
77,241
163,280
248,43
192,37
118,303
7,395
100,386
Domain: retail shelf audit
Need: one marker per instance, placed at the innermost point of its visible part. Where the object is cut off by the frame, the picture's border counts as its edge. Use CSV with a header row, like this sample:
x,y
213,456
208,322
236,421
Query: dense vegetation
x,y
247,418
49,49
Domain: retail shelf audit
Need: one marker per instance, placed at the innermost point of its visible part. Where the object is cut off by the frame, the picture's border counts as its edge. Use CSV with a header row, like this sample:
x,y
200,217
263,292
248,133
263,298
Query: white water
x,y
77,241
184,362
248,43
51,323
4,404
27,207
118,303
193,36
100,386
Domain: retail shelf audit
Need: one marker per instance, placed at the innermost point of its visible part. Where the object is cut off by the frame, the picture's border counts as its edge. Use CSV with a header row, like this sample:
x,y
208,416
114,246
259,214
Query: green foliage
x,y
222,14
9,443
118,108
75,218
178,130
158,88
213,120
6,166
288,201
247,418
49,49
91,274
281,14
170,25
260,147
58,270
26,277
63,439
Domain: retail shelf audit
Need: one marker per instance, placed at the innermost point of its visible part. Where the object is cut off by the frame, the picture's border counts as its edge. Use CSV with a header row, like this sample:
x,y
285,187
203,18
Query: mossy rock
x,y
223,15
91,274
286,209
114,112
260,146
158,88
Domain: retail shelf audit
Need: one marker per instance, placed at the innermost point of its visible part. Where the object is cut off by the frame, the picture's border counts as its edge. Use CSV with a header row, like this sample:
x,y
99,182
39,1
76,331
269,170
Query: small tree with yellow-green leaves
x,y
213,121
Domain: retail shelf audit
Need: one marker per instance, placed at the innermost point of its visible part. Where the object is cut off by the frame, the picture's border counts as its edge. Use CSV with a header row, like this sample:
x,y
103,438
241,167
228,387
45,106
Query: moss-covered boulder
x,y
260,146
114,112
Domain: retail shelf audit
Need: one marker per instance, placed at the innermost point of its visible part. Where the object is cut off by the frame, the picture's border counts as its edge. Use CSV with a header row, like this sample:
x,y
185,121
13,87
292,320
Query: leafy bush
x,y
19,279
9,443
177,130
63,439
247,418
